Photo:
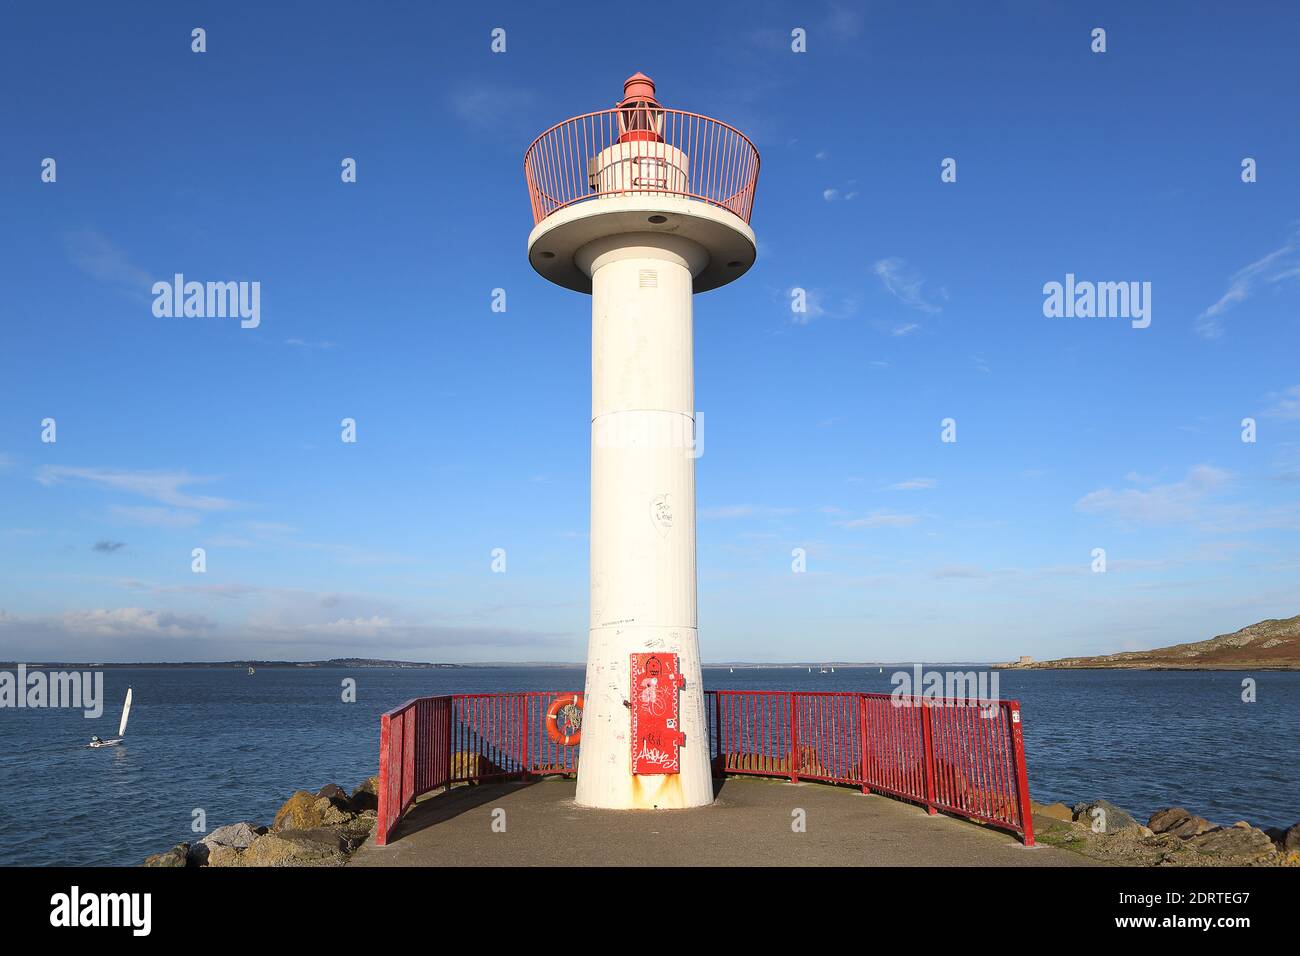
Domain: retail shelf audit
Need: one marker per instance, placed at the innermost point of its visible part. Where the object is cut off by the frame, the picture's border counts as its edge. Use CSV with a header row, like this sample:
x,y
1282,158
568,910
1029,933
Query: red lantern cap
x,y
638,86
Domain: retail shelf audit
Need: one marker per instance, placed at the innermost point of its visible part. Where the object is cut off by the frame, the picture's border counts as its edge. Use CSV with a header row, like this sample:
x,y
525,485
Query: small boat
x,y
251,672
121,727
733,670
823,670
832,670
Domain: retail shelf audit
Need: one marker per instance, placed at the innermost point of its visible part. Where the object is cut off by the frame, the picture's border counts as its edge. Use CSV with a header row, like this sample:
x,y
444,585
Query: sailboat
x,y
121,727
832,670
251,672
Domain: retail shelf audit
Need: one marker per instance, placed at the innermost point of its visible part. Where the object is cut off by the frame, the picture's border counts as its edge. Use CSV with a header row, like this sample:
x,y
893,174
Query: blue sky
x,y
821,429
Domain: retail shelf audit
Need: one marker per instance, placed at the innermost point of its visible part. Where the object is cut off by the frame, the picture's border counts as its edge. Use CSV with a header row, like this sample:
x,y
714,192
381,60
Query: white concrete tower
x,y
641,207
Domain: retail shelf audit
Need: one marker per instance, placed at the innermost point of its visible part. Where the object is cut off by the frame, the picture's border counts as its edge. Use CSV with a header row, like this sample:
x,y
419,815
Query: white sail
x,y
126,712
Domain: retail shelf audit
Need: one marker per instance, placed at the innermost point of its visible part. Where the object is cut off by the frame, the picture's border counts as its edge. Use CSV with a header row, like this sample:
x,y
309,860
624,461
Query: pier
x,y
818,778
752,822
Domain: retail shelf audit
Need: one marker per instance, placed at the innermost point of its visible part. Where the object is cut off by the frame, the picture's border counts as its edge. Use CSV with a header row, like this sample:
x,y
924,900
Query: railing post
x,y
525,758
451,723
863,737
385,768
927,735
717,736
794,739
1022,776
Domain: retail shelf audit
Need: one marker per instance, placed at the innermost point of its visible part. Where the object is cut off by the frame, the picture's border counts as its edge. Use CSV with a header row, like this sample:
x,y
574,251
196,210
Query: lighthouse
x,y
641,207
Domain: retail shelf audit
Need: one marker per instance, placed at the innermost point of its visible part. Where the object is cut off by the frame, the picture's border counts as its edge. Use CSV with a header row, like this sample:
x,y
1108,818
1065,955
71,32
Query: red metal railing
x,y
435,742
694,157
951,755
956,756
413,758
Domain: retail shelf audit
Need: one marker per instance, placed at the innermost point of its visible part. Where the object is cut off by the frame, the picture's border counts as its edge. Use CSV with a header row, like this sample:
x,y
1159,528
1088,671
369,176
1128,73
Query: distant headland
x,y
1269,645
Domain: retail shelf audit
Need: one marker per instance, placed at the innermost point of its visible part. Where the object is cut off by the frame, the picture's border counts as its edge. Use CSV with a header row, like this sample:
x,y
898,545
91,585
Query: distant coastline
x,y
1271,645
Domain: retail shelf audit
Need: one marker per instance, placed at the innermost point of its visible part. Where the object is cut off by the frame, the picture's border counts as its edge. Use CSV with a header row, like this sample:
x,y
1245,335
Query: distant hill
x,y
1268,645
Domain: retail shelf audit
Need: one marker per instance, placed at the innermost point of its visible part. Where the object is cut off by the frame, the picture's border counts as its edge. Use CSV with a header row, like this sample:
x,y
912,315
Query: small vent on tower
x,y
649,279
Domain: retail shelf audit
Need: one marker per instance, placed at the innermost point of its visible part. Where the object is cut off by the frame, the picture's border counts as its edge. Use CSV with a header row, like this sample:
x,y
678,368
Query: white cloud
x,y
817,305
165,487
883,519
1280,264
744,511
914,484
154,517
143,634
1173,503
1287,406
96,256
958,572
906,284
112,622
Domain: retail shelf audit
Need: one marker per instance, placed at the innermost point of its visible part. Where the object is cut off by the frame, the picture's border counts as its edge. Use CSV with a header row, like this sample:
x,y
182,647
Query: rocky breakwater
x,y
311,829
1171,837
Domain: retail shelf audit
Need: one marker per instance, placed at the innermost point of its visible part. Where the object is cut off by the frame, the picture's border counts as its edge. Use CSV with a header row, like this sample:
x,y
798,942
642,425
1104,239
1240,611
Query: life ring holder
x,y
553,720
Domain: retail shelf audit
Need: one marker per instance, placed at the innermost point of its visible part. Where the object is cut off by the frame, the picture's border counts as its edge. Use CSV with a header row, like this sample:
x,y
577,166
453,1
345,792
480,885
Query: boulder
x,y
219,855
1190,827
332,791
176,856
302,811
365,797
1054,811
332,816
1239,840
237,835
1291,839
336,795
356,830
468,765
1110,819
1162,819
1178,822
308,847
197,855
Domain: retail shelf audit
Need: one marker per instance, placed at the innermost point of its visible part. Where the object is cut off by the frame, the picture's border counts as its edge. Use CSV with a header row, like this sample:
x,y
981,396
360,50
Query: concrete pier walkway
x,y
750,824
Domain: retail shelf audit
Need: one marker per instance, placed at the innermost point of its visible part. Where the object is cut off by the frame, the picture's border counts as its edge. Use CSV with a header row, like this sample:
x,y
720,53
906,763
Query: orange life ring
x,y
553,722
